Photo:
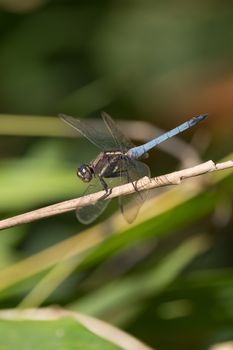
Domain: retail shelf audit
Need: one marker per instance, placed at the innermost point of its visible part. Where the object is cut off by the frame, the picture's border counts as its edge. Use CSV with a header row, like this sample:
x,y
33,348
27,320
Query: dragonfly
x,y
119,162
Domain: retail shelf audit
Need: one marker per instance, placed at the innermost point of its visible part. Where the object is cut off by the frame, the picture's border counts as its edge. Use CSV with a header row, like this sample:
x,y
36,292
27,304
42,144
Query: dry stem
x,y
145,183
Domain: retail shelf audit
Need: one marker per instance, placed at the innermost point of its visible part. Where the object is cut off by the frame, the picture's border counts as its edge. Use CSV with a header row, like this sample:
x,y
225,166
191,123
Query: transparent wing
x,y
88,214
120,139
100,136
131,204
129,171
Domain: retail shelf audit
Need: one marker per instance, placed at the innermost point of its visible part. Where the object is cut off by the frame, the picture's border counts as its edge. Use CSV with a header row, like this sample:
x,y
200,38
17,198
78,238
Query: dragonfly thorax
x,y
85,173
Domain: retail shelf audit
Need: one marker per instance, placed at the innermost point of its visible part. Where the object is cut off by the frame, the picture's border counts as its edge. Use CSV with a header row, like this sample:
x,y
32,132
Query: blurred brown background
x,y
153,61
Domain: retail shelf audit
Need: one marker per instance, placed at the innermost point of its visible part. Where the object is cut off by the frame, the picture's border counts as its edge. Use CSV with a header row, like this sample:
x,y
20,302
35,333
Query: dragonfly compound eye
x,y
84,173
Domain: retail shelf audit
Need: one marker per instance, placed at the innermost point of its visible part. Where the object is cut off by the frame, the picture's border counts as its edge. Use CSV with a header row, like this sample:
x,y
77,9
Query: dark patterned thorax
x,y
108,164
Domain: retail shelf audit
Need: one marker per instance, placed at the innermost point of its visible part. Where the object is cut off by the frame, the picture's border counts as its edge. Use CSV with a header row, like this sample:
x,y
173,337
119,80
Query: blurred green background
x,y
168,278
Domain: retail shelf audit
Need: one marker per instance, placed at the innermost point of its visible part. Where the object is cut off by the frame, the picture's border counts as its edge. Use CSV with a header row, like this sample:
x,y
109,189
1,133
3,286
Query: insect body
x,y
118,159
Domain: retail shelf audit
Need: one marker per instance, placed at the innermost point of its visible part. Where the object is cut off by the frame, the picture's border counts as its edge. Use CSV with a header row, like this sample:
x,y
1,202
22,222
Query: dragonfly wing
x,y
121,140
131,204
99,136
88,214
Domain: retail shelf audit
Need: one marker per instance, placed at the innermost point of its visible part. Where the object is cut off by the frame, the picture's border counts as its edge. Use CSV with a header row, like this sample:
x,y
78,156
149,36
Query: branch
x,y
145,183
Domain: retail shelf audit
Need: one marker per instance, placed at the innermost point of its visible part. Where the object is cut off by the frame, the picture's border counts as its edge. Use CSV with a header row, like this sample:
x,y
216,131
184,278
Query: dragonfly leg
x,y
105,187
132,182
124,173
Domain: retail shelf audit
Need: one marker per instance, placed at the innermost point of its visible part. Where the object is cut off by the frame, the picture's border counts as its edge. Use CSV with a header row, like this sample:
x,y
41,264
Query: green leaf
x,y
63,334
56,328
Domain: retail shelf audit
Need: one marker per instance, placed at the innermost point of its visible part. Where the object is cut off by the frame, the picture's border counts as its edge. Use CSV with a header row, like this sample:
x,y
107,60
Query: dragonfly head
x,y
85,173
